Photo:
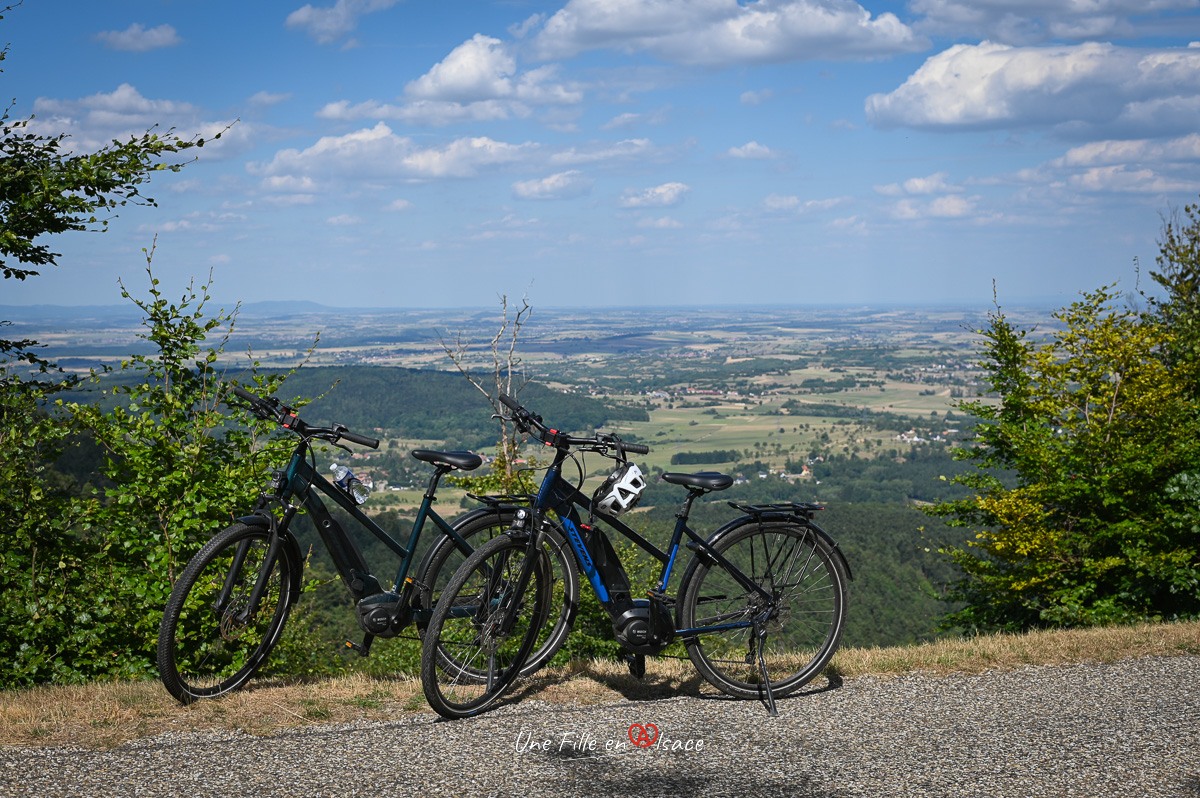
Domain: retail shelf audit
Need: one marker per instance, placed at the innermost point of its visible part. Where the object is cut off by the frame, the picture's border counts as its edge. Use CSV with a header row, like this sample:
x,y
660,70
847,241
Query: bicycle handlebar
x,y
528,422
361,440
272,409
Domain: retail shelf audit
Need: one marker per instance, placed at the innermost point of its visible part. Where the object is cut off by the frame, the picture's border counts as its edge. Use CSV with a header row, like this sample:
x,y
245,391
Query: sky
x,y
613,153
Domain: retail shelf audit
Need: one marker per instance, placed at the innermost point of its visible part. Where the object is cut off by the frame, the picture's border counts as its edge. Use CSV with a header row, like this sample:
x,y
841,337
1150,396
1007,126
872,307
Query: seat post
x,y
686,508
438,472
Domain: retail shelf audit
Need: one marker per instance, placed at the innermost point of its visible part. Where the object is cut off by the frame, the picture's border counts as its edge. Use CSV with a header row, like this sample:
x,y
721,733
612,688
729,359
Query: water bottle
x,y
344,478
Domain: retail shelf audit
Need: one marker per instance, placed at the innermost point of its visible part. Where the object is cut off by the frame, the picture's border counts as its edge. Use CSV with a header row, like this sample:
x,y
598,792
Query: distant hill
x,y
439,405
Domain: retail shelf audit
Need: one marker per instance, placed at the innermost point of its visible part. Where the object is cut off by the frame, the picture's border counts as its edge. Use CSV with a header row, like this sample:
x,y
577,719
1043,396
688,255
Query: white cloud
x,y
343,220
1121,179
778,203
621,121
478,81
125,105
329,23
849,224
663,223
1101,153
266,98
482,68
756,97
197,221
479,69
138,39
398,205
629,150
564,185
951,206
1080,88
521,30
1026,21
664,196
722,33
753,150
93,121
288,183
933,184
380,154
426,112
290,200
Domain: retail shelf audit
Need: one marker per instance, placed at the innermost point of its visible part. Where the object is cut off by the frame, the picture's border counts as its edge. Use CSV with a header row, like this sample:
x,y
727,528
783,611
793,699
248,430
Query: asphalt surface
x,y
1125,729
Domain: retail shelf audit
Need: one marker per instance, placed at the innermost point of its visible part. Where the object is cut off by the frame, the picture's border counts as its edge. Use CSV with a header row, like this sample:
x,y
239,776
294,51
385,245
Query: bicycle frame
x,y
299,485
564,499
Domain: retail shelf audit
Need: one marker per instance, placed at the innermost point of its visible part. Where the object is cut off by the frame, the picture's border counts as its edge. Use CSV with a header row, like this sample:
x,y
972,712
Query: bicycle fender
x,y
498,510
293,550
738,523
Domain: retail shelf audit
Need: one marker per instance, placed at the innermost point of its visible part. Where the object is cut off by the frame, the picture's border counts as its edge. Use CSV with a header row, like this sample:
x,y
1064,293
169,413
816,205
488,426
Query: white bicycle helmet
x,y
621,491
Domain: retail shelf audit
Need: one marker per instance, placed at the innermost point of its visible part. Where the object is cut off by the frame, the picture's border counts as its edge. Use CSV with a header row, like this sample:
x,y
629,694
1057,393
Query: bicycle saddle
x,y
467,461
705,480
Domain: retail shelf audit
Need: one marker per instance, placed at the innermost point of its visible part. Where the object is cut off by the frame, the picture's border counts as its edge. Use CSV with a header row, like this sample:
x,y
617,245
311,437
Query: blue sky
x,y
614,152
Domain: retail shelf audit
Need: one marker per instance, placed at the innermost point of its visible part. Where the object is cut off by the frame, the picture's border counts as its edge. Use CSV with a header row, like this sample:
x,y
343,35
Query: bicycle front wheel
x,y
807,585
445,559
484,628
209,642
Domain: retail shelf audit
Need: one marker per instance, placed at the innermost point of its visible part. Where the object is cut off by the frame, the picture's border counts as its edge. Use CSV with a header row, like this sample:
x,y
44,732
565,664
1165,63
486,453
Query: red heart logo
x,y
639,735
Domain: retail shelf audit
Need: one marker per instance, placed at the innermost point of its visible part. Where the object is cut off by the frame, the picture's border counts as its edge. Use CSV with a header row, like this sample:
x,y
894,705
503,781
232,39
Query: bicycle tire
x,y
796,566
466,666
204,652
445,558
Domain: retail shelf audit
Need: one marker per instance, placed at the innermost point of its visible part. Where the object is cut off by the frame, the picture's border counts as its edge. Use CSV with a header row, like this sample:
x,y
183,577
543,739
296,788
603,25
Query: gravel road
x,y
1125,729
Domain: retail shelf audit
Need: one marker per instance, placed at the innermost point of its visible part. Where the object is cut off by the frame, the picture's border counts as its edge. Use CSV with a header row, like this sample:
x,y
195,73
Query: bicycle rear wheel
x,y
207,643
445,558
807,583
483,628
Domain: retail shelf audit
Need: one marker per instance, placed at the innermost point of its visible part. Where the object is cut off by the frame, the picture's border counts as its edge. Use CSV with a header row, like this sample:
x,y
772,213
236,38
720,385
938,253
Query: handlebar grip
x,y
509,402
361,440
635,448
242,393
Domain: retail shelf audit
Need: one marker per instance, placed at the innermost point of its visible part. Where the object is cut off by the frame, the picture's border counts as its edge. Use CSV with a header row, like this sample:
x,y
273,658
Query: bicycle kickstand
x,y
760,637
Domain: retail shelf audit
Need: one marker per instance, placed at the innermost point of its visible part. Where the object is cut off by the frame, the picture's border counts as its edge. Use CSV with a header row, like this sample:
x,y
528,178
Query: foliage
x,y
1179,275
716,456
86,578
47,547
67,582
518,478
1103,435
430,405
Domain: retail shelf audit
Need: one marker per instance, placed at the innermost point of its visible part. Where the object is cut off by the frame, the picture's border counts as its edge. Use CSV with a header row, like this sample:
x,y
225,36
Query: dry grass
x,y
106,715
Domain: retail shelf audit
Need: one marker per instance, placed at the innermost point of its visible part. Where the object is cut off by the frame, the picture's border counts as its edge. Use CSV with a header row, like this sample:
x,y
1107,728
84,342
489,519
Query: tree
x,y
46,189
506,377
85,578
1100,431
76,585
1179,277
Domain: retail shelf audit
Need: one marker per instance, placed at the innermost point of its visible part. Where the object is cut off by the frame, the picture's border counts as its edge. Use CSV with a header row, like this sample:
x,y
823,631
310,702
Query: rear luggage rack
x,y
802,509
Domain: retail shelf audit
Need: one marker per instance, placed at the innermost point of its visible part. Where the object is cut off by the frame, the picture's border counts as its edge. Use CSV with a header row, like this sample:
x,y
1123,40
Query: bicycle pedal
x,y
658,595
637,664
362,650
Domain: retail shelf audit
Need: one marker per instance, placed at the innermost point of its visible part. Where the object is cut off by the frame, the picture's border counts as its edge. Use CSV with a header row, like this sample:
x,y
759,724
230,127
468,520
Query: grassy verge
x,y
109,714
